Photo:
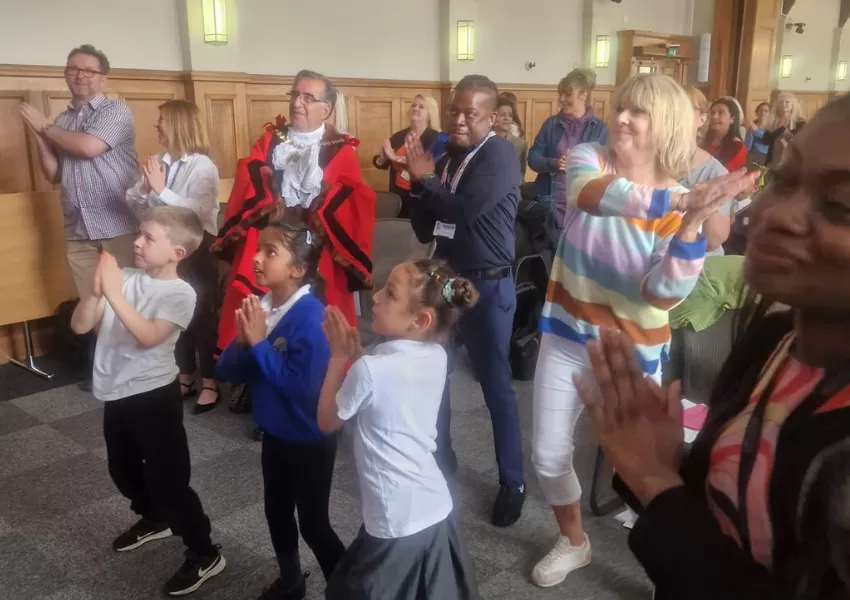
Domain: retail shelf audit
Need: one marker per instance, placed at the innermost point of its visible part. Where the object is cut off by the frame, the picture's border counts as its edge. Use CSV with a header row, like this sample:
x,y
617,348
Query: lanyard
x,y
456,179
170,184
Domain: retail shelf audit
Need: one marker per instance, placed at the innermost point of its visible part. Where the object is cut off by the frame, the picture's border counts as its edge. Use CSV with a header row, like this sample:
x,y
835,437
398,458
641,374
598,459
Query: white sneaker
x,y
562,560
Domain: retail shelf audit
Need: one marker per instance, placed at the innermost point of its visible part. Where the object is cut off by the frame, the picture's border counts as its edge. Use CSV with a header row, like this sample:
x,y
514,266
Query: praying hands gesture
x,y
111,279
343,339
389,154
705,199
637,423
419,162
153,172
250,322
34,119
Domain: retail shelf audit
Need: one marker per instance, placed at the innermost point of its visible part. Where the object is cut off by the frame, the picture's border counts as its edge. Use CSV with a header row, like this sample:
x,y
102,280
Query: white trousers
x,y
556,408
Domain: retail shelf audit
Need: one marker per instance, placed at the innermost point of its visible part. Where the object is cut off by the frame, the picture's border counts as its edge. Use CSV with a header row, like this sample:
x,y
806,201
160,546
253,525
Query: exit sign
x,y
671,52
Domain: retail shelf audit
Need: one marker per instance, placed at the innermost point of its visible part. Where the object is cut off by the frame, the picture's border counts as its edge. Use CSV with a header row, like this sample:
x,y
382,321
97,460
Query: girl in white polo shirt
x,y
409,547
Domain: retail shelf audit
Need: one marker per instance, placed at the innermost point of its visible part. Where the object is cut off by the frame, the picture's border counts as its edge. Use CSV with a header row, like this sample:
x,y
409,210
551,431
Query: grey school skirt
x,y
432,564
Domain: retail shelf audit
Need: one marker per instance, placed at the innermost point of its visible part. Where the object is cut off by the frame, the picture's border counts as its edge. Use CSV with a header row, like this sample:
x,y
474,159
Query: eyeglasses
x,y
87,73
306,98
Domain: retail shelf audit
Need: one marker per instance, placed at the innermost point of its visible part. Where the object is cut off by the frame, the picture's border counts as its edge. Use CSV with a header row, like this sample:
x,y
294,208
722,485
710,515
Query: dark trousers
x,y
148,457
299,476
485,330
200,271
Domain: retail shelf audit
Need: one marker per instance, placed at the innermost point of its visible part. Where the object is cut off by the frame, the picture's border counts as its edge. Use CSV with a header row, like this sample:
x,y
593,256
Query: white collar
x,y
399,346
169,160
306,139
274,315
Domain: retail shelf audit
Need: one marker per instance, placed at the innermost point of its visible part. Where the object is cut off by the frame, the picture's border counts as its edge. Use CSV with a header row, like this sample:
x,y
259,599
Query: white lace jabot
x,y
298,158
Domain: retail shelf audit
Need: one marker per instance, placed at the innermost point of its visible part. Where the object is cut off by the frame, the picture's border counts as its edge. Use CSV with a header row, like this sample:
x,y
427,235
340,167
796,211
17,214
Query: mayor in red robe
x,y
342,213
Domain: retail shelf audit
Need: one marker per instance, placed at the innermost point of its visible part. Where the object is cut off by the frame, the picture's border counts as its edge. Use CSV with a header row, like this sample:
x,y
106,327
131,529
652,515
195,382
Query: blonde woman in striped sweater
x,y
630,250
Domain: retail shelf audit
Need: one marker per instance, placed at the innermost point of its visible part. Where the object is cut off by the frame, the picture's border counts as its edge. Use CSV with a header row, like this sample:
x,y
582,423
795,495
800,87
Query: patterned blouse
x,y
746,448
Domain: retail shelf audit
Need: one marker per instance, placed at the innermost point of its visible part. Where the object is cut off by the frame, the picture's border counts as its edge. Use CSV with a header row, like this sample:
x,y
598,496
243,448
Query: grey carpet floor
x,y
59,510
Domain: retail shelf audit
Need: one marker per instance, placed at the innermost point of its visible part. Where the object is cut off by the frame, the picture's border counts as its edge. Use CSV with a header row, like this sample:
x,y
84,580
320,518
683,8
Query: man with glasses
x,y
89,149
302,167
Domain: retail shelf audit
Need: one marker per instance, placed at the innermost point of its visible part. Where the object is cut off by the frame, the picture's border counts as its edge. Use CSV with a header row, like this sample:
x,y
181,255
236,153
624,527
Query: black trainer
x,y
508,506
277,592
139,534
196,570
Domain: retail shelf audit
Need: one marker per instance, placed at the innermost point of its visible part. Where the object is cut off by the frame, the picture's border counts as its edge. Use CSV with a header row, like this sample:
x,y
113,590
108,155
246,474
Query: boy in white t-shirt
x,y
139,314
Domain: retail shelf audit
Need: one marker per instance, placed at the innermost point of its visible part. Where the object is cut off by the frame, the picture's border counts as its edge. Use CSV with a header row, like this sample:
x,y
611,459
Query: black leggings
x,y
299,476
148,457
200,271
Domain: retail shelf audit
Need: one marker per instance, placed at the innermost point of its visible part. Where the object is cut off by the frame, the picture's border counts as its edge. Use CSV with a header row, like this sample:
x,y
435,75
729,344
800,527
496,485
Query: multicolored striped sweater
x,y
618,263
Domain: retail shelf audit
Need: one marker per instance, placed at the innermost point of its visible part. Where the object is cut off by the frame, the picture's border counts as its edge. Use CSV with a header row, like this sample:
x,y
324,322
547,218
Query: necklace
x,y
295,157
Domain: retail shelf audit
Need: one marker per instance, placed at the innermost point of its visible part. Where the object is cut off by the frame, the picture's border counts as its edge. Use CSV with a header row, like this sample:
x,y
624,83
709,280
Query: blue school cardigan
x,y
284,373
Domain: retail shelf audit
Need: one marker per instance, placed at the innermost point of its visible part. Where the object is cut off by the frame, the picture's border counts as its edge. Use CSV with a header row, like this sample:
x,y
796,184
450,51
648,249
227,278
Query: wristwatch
x,y
428,176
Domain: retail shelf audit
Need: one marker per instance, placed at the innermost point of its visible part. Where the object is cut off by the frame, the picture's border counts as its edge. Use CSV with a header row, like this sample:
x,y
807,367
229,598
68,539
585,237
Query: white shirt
x,y
394,396
274,315
191,182
122,367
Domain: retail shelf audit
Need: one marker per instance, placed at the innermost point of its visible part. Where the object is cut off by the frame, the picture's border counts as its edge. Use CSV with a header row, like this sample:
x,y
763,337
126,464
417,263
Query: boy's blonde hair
x,y
671,113
181,225
185,127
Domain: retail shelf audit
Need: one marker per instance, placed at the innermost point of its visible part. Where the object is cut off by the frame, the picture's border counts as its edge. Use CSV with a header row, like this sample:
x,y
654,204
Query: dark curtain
x,y
787,5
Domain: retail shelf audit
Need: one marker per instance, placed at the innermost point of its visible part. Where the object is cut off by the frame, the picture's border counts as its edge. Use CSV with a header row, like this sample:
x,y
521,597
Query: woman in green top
x,y
509,116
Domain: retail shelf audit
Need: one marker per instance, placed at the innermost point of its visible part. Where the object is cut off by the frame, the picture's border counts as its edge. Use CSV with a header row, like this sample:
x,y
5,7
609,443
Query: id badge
x,y
446,230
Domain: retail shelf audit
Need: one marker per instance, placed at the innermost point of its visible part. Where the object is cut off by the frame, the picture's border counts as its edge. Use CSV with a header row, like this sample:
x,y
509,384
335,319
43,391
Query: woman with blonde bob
x,y
184,175
424,119
627,254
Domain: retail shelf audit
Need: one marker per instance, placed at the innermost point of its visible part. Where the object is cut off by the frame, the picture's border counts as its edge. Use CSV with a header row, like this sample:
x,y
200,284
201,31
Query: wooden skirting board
x,y
235,106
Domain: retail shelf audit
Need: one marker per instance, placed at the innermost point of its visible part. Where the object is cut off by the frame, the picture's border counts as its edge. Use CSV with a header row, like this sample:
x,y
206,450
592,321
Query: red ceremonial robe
x,y
342,216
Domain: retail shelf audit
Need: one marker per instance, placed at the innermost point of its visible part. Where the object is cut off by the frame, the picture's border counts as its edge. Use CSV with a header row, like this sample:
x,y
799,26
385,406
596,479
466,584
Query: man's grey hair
x,y
90,50
330,89
479,83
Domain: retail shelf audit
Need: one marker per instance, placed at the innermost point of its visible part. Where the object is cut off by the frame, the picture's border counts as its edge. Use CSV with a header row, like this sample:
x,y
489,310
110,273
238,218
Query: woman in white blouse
x,y
185,176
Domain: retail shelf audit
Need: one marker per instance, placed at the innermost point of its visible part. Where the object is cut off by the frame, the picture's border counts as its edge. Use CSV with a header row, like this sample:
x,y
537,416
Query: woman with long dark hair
x,y
723,138
760,508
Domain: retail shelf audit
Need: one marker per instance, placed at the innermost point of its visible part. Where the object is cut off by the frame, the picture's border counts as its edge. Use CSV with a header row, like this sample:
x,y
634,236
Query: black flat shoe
x,y
188,390
200,409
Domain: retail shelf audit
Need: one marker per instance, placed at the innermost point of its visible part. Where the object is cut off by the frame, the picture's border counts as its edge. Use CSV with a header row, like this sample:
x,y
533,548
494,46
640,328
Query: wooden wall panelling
x,y
758,46
264,103
225,110
810,102
375,119
16,147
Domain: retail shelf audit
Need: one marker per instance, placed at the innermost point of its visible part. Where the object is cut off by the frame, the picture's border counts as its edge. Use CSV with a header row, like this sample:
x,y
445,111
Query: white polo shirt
x,y
393,397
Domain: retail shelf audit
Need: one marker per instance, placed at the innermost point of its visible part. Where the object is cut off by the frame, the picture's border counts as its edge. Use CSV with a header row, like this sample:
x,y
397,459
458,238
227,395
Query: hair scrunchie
x,y
448,292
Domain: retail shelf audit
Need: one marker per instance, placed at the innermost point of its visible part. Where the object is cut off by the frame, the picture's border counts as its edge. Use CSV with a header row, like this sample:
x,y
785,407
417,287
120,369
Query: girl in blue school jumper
x,y
281,353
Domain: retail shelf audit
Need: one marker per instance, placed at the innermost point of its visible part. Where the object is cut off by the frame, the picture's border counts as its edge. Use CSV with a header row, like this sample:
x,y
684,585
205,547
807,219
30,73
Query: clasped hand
x,y
419,162
343,339
153,172
34,119
108,280
250,322
705,199
637,423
